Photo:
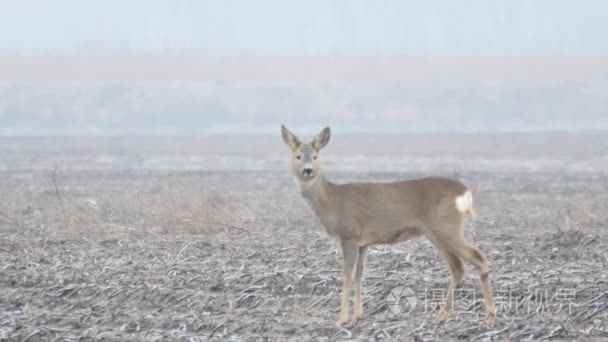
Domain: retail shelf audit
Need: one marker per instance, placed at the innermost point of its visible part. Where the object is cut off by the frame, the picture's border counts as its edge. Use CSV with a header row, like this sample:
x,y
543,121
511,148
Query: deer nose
x,y
307,171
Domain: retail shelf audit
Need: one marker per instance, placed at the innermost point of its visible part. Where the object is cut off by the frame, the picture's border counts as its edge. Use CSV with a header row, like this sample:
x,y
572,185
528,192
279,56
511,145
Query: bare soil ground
x,y
207,239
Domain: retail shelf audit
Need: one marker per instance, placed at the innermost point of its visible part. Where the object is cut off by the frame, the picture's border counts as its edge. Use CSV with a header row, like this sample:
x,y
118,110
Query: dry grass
x,y
141,254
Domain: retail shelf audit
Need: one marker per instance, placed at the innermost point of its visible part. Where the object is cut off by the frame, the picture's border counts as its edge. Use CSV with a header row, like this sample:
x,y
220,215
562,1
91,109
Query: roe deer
x,y
363,214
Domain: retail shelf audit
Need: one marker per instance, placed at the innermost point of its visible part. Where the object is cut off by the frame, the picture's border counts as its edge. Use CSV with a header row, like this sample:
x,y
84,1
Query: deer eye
x,y
298,157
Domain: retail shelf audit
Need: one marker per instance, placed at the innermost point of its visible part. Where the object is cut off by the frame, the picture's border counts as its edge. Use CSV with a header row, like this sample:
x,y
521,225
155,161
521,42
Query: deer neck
x,y
316,193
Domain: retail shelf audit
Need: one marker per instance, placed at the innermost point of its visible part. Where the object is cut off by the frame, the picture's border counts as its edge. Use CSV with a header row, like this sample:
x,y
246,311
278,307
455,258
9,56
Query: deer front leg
x,y
358,286
350,250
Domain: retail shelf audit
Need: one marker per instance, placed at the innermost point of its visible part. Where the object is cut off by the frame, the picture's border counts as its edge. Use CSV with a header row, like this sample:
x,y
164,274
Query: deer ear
x,y
321,139
289,139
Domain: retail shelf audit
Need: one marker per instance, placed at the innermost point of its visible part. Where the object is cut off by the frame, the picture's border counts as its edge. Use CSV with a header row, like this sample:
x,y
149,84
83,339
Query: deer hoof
x,y
490,319
441,317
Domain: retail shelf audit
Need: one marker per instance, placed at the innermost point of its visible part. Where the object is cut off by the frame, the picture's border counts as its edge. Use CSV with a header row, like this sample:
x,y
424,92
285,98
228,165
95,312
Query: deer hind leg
x,y
456,271
350,251
358,313
479,260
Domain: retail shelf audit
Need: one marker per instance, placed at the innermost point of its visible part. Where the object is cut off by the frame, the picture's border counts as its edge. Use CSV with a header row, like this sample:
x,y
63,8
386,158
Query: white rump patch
x,y
464,202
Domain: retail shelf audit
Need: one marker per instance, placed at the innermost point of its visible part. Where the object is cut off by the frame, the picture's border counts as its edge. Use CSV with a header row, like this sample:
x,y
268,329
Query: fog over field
x,y
232,106
241,68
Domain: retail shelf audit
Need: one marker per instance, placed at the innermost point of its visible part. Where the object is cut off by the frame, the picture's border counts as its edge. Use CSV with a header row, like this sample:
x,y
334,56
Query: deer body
x,y
359,215
377,213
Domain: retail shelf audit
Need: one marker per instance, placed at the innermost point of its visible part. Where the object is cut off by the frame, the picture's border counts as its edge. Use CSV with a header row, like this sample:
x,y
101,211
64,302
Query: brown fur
x,y
363,214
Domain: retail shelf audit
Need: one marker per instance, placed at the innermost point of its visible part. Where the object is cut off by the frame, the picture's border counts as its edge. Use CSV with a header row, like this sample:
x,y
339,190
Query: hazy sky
x,y
238,66
313,27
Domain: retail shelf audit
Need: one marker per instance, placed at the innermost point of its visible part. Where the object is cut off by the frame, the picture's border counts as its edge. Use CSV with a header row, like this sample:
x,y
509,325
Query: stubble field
x,y
201,239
